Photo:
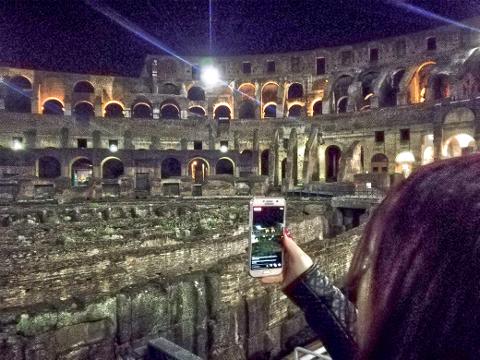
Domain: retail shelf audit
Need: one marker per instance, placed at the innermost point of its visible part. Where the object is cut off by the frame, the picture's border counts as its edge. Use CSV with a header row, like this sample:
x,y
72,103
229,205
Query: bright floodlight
x,y
210,75
223,148
17,145
113,148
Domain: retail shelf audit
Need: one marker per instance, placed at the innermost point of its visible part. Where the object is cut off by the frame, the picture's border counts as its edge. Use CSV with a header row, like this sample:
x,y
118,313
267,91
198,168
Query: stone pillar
x,y
64,138
128,140
127,112
156,111
157,171
256,153
236,141
183,144
274,160
291,170
30,136
309,158
96,139
67,108
258,102
281,100
211,138
35,107
374,102
98,107
155,143
437,141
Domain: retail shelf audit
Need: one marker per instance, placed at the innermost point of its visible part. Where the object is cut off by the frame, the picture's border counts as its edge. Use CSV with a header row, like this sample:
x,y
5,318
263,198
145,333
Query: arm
x,y
328,312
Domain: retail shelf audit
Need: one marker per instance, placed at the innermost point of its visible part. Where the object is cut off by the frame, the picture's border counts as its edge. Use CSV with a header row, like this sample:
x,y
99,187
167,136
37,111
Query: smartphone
x,y
267,220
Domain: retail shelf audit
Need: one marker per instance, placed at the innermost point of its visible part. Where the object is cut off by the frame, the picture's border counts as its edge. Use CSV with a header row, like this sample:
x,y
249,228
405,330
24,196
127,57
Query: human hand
x,y
295,262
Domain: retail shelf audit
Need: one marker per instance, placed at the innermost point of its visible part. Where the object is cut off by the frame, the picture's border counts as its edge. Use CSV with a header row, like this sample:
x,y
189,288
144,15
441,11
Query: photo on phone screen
x,y
267,231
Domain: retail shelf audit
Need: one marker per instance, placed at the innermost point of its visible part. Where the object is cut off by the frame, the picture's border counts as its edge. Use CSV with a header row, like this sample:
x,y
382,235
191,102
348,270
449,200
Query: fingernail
x,y
287,231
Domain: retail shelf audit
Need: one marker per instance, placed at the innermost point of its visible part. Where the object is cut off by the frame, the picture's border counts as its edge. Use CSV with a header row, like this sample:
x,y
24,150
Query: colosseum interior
x,y
124,200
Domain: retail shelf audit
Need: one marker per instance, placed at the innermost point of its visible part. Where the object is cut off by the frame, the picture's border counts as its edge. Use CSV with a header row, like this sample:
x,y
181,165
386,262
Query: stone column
x,y
437,141
274,160
96,139
291,170
30,136
309,160
35,99
236,141
156,111
98,107
255,153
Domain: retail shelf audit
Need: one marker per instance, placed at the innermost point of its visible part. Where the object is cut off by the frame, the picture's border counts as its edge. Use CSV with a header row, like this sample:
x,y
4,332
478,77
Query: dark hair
x,y
423,249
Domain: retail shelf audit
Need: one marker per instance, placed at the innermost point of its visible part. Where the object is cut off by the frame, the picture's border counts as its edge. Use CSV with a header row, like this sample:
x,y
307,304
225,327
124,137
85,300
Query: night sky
x,y
69,35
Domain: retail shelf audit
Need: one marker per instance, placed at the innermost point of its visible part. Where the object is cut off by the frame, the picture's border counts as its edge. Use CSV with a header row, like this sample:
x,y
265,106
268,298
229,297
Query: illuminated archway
x,y
270,110
113,109
198,169
225,166
81,171
419,83
197,111
247,90
295,110
169,110
404,161
295,91
317,108
112,168
52,107
458,145
269,95
222,112
142,110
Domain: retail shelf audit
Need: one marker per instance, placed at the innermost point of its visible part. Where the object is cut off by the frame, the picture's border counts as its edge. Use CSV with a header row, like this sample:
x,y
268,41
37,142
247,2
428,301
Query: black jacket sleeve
x,y
328,312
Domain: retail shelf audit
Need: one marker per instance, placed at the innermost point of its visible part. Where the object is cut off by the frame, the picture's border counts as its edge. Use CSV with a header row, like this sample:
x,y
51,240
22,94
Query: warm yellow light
x,y
464,140
405,157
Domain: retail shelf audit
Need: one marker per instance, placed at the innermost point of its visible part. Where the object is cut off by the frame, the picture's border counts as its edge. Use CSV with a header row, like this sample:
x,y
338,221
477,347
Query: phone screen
x,y
267,230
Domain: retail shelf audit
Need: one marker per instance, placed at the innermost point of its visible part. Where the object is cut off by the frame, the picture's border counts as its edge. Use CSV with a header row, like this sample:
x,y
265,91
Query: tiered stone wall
x,y
95,281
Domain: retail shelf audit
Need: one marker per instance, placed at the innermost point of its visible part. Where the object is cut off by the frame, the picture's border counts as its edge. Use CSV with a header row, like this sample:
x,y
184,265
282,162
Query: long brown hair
x,y
422,246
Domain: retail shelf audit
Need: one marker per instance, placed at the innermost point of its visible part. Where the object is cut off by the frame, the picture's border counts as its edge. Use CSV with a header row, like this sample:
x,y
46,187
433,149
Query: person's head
x,y
422,251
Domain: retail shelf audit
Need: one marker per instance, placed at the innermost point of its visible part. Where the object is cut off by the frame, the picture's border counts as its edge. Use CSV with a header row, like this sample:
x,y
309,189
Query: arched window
x,y
48,168
81,172
142,110
196,111
170,167
198,169
84,110
270,111
269,93
246,158
113,110
169,111
295,91
52,107
390,89
222,112
247,91
170,88
196,93
83,87
342,105
18,97
379,163
317,108
112,169
246,110
224,167
332,157
295,111
264,164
